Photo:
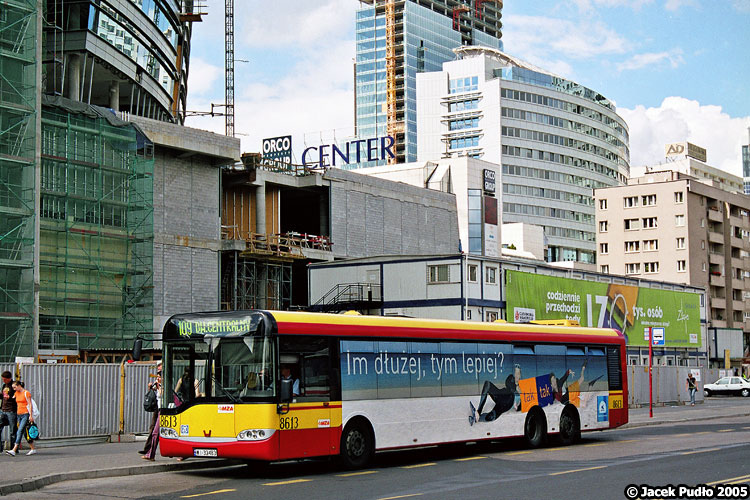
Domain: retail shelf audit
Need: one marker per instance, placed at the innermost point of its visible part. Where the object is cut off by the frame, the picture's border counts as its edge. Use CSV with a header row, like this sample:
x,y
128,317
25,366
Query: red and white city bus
x,y
357,384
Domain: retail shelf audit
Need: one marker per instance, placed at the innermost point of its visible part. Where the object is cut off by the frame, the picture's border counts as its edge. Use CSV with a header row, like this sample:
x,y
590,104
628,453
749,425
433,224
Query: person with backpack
x,y
8,414
25,412
151,404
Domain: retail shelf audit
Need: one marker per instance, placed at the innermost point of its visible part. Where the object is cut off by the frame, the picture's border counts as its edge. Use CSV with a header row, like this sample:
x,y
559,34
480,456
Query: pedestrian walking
x,y
154,413
154,436
25,417
7,409
691,387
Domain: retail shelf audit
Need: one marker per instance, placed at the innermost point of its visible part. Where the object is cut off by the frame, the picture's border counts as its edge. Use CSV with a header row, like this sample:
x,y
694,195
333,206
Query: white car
x,y
728,386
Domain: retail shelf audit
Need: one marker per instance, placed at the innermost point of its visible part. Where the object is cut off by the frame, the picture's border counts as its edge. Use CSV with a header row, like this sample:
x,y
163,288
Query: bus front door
x,y
305,430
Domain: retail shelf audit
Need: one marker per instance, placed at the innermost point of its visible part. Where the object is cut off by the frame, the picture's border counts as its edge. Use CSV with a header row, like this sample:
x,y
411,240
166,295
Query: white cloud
x,y
204,76
678,119
741,5
544,38
675,5
673,58
295,24
585,5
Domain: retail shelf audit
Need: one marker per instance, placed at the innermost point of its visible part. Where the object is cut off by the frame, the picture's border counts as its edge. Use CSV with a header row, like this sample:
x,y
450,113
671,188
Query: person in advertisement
x,y
505,398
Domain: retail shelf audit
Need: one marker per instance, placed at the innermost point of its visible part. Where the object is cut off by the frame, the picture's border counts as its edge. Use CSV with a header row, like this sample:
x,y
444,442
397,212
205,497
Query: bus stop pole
x,y
650,386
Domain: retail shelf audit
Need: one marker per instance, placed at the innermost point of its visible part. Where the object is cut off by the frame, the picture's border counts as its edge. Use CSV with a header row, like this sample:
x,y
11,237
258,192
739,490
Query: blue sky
x,y
677,69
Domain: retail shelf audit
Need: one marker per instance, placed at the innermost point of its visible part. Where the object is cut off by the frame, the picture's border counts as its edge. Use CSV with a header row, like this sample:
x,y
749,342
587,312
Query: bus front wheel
x,y
535,428
357,445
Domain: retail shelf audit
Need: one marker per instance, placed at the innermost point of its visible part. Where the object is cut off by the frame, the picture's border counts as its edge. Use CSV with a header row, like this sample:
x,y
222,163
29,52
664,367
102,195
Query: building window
x,y
632,246
679,220
468,314
491,275
649,222
457,85
603,226
603,204
703,222
491,316
648,200
438,274
703,267
633,268
678,196
475,221
603,248
680,266
650,267
680,243
703,244
473,269
631,201
632,224
650,245
604,269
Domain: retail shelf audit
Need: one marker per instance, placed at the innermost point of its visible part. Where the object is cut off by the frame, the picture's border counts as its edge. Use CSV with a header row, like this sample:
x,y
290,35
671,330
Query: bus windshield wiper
x,y
226,392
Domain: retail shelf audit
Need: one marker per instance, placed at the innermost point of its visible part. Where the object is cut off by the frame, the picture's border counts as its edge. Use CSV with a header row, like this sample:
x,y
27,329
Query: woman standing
x,y
157,387
25,417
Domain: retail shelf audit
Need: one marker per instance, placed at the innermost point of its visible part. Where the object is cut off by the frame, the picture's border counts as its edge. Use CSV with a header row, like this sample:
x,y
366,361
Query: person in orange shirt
x,y
23,402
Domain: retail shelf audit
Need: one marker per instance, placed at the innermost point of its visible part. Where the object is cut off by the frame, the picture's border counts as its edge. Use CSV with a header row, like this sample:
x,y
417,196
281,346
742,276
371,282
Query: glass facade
x,y
428,42
475,221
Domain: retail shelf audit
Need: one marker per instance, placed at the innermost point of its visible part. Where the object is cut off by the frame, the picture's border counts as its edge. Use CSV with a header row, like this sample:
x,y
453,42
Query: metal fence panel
x,y
75,399
137,378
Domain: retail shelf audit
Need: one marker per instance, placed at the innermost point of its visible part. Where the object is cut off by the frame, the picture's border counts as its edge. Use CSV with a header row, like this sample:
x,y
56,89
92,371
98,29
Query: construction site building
x,y
396,39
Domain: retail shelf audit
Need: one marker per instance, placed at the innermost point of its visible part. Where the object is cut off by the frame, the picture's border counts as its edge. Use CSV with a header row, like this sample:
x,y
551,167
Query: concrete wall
x,y
372,216
187,238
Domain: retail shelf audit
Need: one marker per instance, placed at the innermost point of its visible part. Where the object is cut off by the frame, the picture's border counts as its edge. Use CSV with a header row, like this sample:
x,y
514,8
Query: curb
x,y
632,425
42,481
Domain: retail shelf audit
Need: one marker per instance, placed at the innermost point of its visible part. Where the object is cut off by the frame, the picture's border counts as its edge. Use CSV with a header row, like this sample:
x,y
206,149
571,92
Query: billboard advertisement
x,y
630,309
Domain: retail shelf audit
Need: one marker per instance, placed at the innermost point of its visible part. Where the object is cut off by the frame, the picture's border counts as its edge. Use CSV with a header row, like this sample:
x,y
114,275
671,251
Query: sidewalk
x,y
52,465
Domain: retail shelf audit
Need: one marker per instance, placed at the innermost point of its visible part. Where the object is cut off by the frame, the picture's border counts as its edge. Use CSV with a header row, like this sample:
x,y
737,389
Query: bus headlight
x,y
167,433
255,434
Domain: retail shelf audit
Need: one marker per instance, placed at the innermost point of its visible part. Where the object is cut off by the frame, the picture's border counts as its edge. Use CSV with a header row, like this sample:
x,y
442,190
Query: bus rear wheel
x,y
535,428
357,445
570,426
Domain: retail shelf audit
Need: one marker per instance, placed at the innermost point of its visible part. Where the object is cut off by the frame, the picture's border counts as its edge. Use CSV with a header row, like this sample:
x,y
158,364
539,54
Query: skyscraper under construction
x,y
396,39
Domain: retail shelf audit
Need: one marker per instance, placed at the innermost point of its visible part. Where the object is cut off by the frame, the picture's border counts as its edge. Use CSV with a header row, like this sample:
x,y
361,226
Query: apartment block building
x,y
672,227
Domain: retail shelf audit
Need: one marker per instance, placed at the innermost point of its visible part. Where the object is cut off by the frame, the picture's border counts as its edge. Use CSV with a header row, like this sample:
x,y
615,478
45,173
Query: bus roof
x,y
241,323
301,323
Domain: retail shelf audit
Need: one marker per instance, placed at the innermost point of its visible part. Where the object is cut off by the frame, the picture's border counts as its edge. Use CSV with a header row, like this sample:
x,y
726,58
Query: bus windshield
x,y
222,369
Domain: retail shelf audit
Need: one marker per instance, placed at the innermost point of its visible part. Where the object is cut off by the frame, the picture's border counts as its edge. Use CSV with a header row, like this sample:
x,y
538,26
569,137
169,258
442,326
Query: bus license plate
x,y
205,452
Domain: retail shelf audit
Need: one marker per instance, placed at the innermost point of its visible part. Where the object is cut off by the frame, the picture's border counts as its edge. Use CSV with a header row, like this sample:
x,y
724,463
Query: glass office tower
x,y
424,36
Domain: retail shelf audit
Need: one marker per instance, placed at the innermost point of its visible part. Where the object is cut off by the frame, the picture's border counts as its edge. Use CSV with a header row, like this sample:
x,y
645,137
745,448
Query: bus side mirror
x,y
286,390
137,347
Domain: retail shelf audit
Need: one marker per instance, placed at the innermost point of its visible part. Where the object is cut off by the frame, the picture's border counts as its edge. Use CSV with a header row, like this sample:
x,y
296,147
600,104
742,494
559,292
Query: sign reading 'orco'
x,y
278,149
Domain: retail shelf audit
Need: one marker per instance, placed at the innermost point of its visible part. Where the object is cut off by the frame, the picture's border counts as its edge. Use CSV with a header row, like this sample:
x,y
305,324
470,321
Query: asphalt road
x,y
602,466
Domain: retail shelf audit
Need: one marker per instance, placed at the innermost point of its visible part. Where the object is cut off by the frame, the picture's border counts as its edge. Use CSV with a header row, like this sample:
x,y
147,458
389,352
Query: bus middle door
x,y
305,425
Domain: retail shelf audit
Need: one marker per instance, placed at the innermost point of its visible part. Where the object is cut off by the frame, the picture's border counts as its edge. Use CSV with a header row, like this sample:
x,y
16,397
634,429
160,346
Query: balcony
x,y
718,323
715,215
736,242
739,222
715,237
738,305
717,280
718,303
716,258
738,284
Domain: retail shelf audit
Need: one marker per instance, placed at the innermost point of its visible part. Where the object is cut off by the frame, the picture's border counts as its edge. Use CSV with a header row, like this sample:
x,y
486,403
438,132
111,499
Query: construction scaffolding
x,y
250,282
96,242
18,119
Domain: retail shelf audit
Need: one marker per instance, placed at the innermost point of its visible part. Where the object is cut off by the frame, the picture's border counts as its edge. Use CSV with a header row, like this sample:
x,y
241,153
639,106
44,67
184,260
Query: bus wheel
x,y
535,428
570,426
357,445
